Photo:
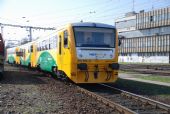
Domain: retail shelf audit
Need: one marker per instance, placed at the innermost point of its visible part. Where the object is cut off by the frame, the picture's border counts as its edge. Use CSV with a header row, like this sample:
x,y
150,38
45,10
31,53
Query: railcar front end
x,y
94,53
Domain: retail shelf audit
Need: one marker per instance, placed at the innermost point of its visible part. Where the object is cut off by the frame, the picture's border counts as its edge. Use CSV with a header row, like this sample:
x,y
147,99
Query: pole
x,y
133,8
30,34
169,49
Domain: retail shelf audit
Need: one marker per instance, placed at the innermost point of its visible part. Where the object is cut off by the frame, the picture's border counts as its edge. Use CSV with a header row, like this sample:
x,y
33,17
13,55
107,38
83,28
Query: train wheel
x,y
55,73
29,65
63,76
38,67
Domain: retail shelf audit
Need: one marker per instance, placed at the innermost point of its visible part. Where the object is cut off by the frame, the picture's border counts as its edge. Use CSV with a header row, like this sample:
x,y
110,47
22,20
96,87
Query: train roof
x,y
91,24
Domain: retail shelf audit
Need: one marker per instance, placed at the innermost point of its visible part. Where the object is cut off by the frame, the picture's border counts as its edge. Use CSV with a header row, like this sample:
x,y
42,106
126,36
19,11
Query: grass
x,y
128,72
156,78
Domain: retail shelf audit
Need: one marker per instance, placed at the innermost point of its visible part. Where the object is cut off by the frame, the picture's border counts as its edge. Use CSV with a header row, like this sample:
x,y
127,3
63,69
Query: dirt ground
x,y
24,92
30,93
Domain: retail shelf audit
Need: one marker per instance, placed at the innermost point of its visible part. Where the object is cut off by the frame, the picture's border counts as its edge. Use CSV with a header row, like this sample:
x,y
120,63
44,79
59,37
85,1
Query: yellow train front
x,y
88,52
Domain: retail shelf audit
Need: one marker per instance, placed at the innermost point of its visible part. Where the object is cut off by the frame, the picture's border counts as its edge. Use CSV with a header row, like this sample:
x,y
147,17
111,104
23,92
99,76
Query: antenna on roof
x,y
133,7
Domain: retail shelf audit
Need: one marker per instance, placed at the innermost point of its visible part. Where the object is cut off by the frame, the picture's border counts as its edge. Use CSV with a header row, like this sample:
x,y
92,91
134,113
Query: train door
x,y
60,52
66,53
17,56
33,51
24,56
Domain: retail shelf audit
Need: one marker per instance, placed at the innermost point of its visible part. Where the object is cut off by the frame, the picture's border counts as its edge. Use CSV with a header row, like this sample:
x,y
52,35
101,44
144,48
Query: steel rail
x,y
145,100
116,106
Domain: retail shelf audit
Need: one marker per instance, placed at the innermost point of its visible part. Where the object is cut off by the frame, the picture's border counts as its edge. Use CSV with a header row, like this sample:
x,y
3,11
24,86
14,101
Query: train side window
x,y
51,43
31,48
65,38
28,50
37,47
49,46
56,38
54,42
41,46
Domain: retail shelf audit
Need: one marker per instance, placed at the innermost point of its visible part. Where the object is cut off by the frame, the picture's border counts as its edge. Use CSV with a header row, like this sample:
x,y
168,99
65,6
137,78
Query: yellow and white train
x,y
82,52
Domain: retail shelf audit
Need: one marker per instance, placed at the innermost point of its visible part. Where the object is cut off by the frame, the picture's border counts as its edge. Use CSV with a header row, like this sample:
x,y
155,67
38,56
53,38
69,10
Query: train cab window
x,y
65,38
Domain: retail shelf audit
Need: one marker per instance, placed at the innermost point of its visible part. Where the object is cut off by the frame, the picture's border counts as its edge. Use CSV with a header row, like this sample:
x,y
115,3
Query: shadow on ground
x,y
142,88
11,77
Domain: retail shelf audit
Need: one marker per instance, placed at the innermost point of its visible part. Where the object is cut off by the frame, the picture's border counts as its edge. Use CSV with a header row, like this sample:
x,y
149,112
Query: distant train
x,y
1,56
82,52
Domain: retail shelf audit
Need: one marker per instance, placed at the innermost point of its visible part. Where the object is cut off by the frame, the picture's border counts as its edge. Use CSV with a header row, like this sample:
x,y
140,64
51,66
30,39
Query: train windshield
x,y
94,37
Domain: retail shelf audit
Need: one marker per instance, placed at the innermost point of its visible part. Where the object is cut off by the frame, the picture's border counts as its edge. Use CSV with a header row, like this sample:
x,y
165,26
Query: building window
x,y
151,18
169,15
154,18
166,16
163,16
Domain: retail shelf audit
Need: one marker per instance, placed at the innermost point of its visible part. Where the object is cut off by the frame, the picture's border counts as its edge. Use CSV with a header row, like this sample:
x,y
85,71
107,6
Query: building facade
x,y
146,36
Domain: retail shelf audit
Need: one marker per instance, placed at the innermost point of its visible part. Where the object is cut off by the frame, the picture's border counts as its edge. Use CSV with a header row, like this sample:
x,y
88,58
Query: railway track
x,y
124,102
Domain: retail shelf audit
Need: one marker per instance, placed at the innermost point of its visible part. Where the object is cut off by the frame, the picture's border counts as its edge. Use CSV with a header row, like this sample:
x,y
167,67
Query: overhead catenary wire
x,y
75,8
98,11
111,15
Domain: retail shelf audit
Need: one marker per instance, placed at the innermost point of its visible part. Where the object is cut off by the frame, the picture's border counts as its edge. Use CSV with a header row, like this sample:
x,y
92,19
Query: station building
x,y
146,36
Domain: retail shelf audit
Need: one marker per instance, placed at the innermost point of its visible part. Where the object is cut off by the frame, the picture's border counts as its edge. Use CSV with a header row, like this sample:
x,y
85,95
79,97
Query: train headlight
x,y
82,66
114,66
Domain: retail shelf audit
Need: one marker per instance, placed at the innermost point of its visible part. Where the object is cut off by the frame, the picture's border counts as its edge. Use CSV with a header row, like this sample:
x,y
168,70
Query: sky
x,y
54,13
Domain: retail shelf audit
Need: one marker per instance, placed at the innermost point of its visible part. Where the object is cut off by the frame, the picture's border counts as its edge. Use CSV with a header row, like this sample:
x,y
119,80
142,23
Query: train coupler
x,y
86,76
109,74
96,72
